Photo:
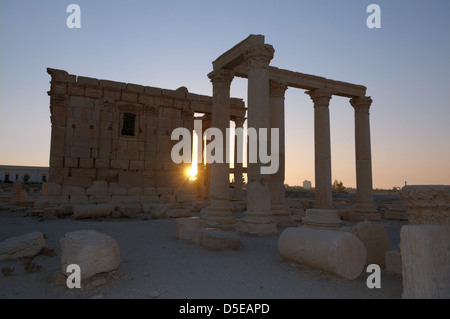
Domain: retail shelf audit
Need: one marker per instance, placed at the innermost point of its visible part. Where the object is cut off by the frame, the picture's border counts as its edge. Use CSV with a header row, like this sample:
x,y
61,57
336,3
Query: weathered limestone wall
x,y
110,141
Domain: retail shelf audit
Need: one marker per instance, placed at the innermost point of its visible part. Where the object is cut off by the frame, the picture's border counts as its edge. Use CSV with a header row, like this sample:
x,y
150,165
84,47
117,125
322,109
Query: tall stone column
x,y
364,192
206,123
258,217
322,148
219,211
279,208
238,170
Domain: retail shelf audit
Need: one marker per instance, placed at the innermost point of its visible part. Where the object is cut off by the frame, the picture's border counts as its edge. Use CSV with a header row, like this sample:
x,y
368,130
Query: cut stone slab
x,y
187,227
94,252
218,240
130,210
82,211
425,253
375,239
159,212
394,261
28,245
333,251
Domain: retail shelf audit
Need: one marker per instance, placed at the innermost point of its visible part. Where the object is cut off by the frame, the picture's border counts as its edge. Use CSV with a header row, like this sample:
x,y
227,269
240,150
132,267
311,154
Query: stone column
x,y
219,211
364,195
279,208
322,148
258,217
238,170
207,167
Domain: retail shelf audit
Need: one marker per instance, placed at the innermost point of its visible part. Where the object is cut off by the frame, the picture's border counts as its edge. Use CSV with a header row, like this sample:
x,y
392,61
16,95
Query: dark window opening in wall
x,y
26,178
7,178
128,124
17,177
44,178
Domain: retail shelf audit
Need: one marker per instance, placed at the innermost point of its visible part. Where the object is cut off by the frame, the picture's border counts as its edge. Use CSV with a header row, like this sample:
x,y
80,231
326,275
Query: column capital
x,y
239,121
221,76
320,97
361,102
277,88
259,56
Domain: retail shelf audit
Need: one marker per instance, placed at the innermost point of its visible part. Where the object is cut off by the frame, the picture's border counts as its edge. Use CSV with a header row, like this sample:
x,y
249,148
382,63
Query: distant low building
x,y
307,185
29,174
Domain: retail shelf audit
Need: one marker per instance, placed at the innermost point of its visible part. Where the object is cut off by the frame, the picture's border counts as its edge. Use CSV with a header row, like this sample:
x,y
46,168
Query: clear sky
x,y
405,66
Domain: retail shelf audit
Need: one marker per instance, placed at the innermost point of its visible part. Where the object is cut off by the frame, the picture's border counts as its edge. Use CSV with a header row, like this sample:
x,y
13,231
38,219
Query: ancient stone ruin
x,y
111,154
111,141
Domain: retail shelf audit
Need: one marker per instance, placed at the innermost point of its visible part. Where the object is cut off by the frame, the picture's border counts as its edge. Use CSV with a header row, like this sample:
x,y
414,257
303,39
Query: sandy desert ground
x,y
156,265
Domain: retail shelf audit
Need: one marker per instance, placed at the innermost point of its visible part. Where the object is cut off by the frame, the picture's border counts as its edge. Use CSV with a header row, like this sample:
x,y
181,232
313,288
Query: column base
x,y
261,224
238,205
322,219
217,216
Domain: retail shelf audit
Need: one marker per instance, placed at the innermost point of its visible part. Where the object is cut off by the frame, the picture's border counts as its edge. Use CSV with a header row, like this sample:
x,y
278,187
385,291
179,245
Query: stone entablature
x,y
111,142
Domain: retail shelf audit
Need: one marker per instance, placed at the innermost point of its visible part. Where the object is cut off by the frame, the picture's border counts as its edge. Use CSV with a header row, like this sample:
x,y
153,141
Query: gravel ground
x,y
157,265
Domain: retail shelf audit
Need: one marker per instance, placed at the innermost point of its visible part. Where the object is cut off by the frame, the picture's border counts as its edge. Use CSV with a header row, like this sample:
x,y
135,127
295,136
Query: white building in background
x,y
307,185
30,174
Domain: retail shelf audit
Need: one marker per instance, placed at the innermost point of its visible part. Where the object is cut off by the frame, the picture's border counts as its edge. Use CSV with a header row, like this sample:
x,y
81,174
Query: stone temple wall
x,y
110,141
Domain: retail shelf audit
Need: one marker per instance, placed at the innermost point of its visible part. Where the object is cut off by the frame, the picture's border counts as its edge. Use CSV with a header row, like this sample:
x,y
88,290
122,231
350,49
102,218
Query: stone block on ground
x,y
333,251
159,212
130,210
94,252
178,213
425,253
57,211
375,239
116,214
187,227
218,240
28,245
82,211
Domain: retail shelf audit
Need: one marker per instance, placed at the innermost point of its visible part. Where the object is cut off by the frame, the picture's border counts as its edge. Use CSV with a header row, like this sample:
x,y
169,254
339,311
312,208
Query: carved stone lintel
x,y
427,204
